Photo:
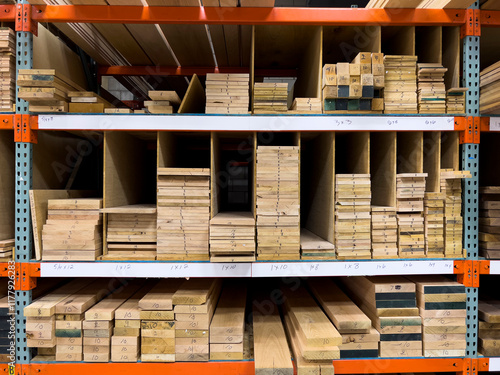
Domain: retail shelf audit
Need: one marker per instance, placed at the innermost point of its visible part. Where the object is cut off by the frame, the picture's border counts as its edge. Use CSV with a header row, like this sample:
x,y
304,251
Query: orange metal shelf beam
x,y
490,18
247,16
187,71
5,271
7,121
8,13
399,365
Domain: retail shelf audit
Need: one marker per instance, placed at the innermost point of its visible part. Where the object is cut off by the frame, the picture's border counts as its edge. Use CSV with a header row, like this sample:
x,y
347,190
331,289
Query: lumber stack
x,y
306,106
195,303
489,222
384,232
7,248
183,214
73,230
455,100
489,328
87,102
45,90
451,186
270,97
353,216
7,69
442,305
434,224
278,203
314,247
489,87
359,338
391,304
232,237
118,111
410,193
162,102
431,88
158,322
227,328
227,93
400,93
7,316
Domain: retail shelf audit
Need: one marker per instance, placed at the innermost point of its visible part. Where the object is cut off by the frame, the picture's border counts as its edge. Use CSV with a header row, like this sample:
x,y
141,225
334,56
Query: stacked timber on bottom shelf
x,y
410,188
431,88
183,214
306,106
391,304
7,316
73,230
400,92
442,305
87,102
7,248
489,222
227,93
490,90
278,203
232,237
314,247
489,328
162,102
434,224
455,100
353,216
359,338
384,232
270,98
7,69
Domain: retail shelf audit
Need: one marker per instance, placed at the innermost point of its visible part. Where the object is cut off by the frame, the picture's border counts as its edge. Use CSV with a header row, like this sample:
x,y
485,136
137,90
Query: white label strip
x,y
369,268
494,267
244,123
494,365
145,269
495,124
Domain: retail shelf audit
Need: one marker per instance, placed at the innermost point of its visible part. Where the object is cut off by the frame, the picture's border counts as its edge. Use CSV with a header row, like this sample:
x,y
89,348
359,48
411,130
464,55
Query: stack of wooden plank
x,y
227,93
451,186
489,328
195,303
270,97
314,247
442,305
434,224
87,102
118,111
7,69
489,222
7,248
278,203
384,232
162,102
228,325
157,322
45,90
306,106
183,214
431,88
410,206
232,237
359,338
353,216
400,93
7,315
73,230
455,100
490,86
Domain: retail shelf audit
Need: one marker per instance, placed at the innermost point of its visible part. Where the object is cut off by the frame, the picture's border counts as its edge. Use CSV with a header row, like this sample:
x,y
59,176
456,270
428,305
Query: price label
x,y
495,124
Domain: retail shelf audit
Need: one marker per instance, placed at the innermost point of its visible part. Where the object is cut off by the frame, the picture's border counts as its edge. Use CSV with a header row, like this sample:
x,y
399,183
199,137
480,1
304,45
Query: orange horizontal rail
x,y
247,16
7,121
400,365
187,71
490,18
8,13
5,271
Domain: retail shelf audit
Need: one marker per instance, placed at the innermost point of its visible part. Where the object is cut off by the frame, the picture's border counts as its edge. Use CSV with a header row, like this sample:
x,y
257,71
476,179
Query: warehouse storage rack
x,y
470,127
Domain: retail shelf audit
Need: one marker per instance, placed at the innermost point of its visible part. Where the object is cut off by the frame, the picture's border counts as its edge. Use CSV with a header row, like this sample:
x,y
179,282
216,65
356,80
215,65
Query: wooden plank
x,y
194,292
105,310
161,296
194,99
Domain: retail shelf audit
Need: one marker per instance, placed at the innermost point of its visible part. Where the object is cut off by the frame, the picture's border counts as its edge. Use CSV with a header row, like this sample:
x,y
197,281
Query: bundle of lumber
x,y
431,88
7,315
314,247
455,100
354,87
87,102
162,102
306,106
232,237
353,216
131,233
489,90
73,230
359,338
228,325
434,224
410,192
451,186
195,303
391,304
400,93
278,203
183,214
489,222
45,90
157,322
7,69
118,111
227,93
270,97
489,328
384,232
442,305
7,248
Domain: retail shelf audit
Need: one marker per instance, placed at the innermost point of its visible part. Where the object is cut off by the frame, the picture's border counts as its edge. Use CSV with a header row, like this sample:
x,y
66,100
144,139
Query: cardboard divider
x,y
429,44
452,46
432,161
410,152
183,150
383,168
398,40
352,153
342,44
450,150
7,184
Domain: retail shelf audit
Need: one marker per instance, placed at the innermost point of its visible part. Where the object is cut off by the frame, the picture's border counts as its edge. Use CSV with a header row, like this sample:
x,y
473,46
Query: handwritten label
x,y
392,122
63,266
46,119
495,124
339,123
178,267
430,122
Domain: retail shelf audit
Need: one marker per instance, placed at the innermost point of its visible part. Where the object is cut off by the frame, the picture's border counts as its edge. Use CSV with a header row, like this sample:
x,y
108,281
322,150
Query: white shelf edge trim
x,y
494,365
495,124
494,267
244,123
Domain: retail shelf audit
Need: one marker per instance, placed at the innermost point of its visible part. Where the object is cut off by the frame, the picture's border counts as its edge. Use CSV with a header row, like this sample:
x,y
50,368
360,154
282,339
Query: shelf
x,y
494,364
262,123
259,269
494,267
494,124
